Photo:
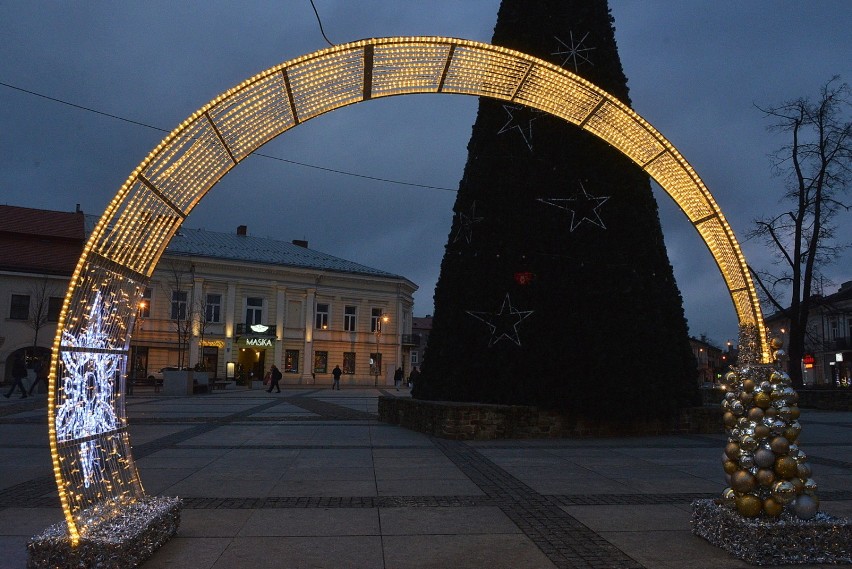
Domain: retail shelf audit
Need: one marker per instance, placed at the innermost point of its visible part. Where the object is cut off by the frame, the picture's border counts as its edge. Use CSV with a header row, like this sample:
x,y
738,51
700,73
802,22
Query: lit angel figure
x,y
86,409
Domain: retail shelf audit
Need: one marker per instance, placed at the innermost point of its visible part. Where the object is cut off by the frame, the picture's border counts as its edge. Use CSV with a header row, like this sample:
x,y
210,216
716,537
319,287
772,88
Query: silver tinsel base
x,y
783,541
125,540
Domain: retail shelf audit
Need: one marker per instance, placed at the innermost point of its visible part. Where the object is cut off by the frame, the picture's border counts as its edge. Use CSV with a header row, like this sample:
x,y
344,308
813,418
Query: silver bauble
x,y
784,492
805,507
764,458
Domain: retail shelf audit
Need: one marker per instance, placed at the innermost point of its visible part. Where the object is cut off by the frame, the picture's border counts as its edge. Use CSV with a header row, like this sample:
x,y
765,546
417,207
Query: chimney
x,y
300,243
78,209
241,230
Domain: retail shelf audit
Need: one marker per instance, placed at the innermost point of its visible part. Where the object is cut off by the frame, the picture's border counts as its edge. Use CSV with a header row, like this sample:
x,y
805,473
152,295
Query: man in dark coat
x,y
19,372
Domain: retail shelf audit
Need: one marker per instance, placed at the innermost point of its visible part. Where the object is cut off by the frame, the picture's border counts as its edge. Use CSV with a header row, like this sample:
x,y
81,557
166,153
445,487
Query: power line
x,y
270,157
319,21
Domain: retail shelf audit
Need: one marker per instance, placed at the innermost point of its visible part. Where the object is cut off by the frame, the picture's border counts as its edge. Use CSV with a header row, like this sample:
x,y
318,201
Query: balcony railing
x,y
411,340
259,330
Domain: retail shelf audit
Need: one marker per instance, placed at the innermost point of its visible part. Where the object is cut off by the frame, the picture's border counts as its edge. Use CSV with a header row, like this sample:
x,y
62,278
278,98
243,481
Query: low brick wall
x,y
480,421
826,399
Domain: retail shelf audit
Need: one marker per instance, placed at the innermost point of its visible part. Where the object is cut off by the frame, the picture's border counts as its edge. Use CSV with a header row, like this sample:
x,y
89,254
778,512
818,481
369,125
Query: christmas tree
x,y
555,288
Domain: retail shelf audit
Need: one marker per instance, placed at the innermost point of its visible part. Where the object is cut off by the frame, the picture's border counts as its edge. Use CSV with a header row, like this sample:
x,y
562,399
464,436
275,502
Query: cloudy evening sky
x,y
695,70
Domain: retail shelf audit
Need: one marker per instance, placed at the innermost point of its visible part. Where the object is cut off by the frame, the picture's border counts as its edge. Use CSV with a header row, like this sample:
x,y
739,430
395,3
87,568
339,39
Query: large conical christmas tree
x,y
556,289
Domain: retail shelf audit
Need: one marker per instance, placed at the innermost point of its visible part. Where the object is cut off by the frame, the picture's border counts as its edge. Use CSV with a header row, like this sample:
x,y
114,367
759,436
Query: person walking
x,y
274,378
413,376
336,373
397,377
40,368
19,372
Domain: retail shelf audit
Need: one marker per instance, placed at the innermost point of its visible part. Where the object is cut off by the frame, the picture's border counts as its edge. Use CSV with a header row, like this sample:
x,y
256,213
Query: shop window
x,y
20,307
322,317
349,319
213,308
348,362
291,361
320,362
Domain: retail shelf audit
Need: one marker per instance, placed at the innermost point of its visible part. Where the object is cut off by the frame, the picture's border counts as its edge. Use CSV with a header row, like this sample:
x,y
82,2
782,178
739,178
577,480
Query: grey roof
x,y
202,243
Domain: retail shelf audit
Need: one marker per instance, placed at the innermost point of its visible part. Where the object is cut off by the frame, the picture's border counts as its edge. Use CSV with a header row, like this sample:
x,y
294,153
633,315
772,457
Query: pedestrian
x,y
19,372
274,378
336,373
413,376
40,368
397,377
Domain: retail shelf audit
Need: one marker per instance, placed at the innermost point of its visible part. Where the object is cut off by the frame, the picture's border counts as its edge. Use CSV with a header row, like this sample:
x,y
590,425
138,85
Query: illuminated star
x,y
583,207
517,117
576,53
503,324
465,231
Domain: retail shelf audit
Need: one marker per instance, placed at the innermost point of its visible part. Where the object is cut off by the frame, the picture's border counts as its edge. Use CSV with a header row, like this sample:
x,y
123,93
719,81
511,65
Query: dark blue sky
x,y
695,70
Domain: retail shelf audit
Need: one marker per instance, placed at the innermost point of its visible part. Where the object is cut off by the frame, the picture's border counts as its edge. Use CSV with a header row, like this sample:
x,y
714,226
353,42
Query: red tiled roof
x,y
37,240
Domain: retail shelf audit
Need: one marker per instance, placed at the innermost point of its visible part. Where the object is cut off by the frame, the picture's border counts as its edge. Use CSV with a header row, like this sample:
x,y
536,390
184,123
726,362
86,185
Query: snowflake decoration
x,y
465,222
520,118
583,207
87,387
573,51
504,323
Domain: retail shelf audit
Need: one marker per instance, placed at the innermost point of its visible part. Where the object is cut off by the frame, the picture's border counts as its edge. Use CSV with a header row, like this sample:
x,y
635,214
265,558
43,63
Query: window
x,y
179,304
54,307
415,358
376,320
213,308
348,362
375,364
833,328
254,311
145,304
320,362
20,308
349,319
291,361
322,317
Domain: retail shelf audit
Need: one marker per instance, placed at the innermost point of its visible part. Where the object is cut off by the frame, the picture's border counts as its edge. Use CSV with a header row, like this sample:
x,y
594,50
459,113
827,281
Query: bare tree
x,y
815,166
181,311
40,295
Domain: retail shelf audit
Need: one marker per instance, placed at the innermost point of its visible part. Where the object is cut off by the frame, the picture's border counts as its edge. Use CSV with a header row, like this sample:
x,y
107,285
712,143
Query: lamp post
x,y
380,319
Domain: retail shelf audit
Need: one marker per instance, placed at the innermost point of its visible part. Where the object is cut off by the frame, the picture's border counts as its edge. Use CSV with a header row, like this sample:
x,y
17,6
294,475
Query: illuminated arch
x,y
92,459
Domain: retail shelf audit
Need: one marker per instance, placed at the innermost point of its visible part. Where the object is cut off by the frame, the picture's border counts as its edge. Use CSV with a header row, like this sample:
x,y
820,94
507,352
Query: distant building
x,y
420,328
230,303
711,361
828,339
38,252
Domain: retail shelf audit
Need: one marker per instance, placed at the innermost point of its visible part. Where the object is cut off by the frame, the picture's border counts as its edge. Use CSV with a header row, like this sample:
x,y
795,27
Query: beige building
x,y
234,304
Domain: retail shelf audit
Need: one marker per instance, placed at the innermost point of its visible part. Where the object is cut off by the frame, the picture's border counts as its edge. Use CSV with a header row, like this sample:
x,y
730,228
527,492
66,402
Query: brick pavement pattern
x,y
310,478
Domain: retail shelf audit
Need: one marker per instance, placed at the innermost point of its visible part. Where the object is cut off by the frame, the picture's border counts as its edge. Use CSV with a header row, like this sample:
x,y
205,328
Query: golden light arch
x,y
92,458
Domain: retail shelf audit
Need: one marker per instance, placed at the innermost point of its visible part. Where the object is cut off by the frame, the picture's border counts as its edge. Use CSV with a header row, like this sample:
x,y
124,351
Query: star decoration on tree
x,y
583,207
465,223
520,118
504,323
573,51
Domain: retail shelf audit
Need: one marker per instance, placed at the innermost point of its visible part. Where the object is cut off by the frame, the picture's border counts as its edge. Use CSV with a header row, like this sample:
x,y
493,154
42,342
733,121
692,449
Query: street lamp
x,y
380,319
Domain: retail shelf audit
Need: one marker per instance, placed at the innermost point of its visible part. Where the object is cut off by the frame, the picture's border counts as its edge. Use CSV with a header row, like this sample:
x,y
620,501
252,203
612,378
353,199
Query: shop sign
x,y
809,361
259,342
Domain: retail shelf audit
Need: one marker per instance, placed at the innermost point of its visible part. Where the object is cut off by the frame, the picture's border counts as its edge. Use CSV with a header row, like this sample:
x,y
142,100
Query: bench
x,y
222,384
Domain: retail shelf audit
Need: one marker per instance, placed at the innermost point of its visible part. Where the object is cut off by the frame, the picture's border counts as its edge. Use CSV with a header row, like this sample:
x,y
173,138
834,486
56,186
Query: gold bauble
x,y
780,445
743,481
772,507
765,477
761,431
783,491
746,398
749,506
785,467
747,442
730,378
729,497
776,343
729,466
755,414
770,413
776,377
732,450
748,385
798,484
803,470
762,400
795,412
729,419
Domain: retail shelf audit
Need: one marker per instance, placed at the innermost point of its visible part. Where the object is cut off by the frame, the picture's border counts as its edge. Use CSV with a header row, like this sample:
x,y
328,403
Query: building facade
x,y
231,304
235,304
828,339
